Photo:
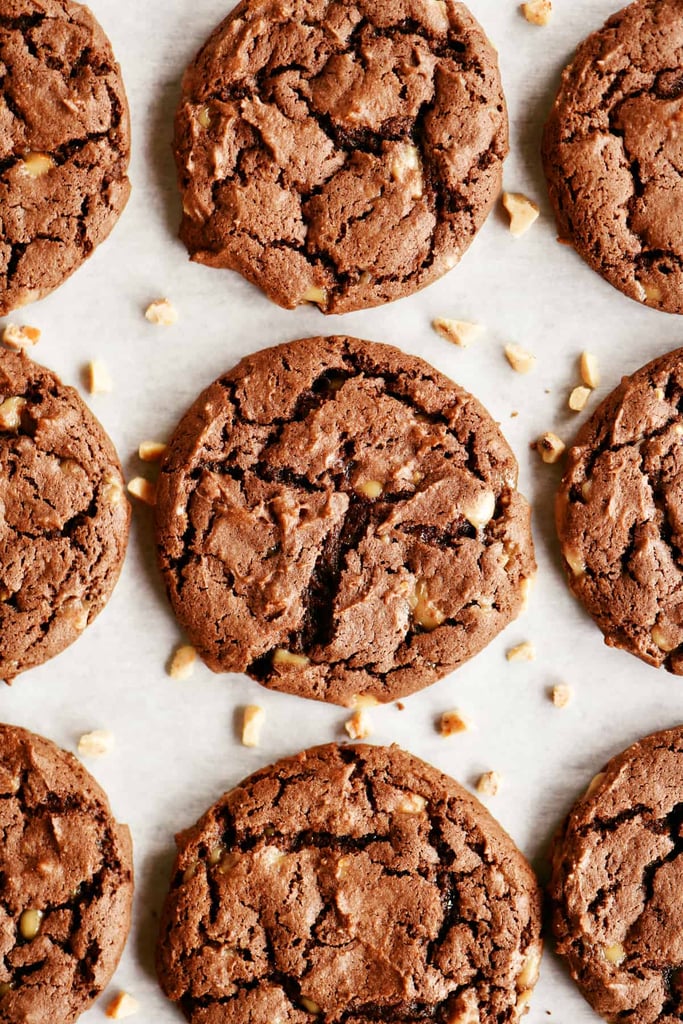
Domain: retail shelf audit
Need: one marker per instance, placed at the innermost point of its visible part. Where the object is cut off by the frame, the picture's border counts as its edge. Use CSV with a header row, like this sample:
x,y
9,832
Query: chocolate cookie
x,y
64,144
620,514
338,519
64,516
617,878
350,884
66,883
341,153
613,149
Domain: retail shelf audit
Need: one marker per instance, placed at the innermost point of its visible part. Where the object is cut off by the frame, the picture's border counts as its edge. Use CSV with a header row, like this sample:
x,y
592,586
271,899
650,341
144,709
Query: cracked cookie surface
x,y
619,517
617,877
64,144
64,516
340,153
613,153
66,883
349,884
338,519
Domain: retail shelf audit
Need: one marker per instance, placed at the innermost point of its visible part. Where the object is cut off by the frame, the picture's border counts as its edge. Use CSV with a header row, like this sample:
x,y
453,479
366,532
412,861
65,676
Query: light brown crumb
x,y
152,451
359,725
98,379
519,359
400,706
578,399
162,313
561,695
514,415
19,336
122,1005
523,212
252,723
550,447
143,489
96,743
460,332
590,371
538,12
453,722
489,783
522,652
181,665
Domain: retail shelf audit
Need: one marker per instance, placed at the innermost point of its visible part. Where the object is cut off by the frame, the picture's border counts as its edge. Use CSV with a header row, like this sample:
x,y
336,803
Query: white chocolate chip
x,y
489,783
405,166
578,399
522,652
10,413
523,212
112,489
315,295
561,695
590,372
526,586
652,292
425,612
550,447
666,640
659,394
537,12
465,1009
98,378
36,165
182,663
412,803
528,976
143,489
451,723
121,1006
363,700
96,743
252,723
370,488
29,924
480,512
204,117
152,451
575,561
76,613
359,725
615,954
309,1005
284,657
19,337
519,359
593,784
460,332
162,313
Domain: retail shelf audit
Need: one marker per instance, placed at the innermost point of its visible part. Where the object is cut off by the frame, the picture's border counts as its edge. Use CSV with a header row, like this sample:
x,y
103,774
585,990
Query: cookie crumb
x,y
522,652
453,722
252,723
550,447
98,379
162,313
181,665
578,399
19,337
359,725
122,1005
522,211
537,12
561,695
143,489
400,706
96,743
519,359
152,451
489,783
460,332
590,371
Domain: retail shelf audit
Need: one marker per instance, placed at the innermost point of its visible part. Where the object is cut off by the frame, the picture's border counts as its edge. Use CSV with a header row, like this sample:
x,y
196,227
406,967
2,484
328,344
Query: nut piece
x,y
96,743
519,359
181,665
550,447
29,924
162,313
522,212
98,378
112,489
10,413
359,726
574,561
284,657
406,165
425,612
204,117
480,512
593,784
522,652
252,723
143,489
370,488
460,332
309,1006
315,295
489,783
412,803
538,12
561,695
20,337
578,399
590,372
528,976
616,954
152,451
666,640
453,722
37,164
122,1005
363,700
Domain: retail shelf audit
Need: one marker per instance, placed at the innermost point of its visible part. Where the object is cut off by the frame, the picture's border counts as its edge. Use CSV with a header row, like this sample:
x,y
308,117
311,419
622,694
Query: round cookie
x,y
613,149
617,877
341,153
350,884
619,514
65,518
338,519
64,144
66,883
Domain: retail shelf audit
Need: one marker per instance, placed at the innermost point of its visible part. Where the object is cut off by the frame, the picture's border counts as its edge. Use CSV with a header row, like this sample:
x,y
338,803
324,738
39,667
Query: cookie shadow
x,y
142,539
160,152
151,887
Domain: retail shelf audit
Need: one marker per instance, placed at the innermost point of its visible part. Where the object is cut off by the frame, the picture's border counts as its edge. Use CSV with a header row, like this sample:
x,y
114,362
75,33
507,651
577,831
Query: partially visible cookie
x,y
338,519
64,144
613,152
349,884
66,883
341,153
616,885
65,517
619,514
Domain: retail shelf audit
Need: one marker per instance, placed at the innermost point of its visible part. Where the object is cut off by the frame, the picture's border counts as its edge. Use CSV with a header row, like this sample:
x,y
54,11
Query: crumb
x,y
550,447
537,12
20,337
522,652
152,451
453,722
561,695
489,783
579,399
143,489
460,332
359,725
181,665
96,743
122,1005
400,706
522,211
161,312
252,723
590,372
519,359
514,415
98,379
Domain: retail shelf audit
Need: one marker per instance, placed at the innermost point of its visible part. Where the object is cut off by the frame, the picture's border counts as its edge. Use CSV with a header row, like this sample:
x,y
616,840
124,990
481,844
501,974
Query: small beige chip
x,y
454,722
121,1006
578,399
96,743
590,371
522,211
460,332
519,359
489,783
252,723
162,313
522,652
538,12
143,489
181,665
550,447
98,379
152,451
561,695
359,725
19,337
